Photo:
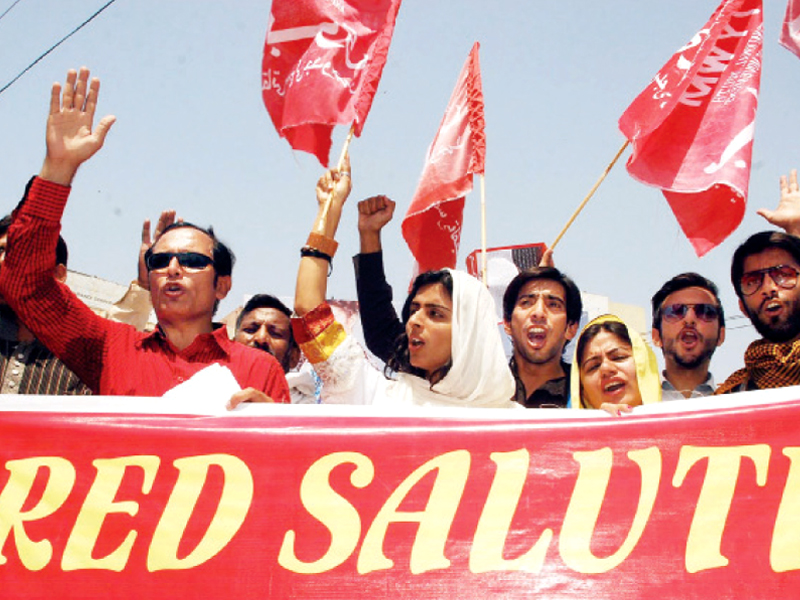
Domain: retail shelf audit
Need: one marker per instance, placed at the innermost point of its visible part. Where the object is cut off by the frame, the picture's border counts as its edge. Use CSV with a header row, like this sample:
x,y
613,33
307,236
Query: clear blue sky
x,y
183,79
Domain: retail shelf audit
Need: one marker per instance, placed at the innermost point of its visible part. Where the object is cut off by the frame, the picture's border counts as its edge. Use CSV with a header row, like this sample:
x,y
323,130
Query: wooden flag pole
x,y
484,276
324,216
590,194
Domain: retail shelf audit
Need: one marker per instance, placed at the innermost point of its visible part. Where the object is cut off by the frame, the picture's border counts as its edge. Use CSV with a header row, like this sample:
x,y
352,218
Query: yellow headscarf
x,y
646,367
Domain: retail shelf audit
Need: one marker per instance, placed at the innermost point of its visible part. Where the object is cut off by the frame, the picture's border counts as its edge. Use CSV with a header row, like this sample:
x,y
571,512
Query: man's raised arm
x,y
49,309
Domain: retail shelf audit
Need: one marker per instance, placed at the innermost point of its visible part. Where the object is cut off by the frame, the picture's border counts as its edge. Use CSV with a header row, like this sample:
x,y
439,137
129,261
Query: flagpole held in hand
x,y
590,194
345,148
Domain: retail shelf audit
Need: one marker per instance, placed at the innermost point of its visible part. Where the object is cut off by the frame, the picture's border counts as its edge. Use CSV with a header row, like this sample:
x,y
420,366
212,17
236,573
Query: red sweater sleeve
x,y
56,316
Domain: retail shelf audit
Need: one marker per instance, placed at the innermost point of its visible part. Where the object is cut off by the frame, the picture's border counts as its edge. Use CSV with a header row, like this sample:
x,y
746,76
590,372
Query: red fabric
x,y
321,67
695,500
111,358
432,225
311,324
790,33
692,127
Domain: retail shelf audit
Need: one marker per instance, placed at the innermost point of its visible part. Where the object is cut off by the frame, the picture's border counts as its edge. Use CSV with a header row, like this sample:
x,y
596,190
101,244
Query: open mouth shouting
x,y
689,338
614,389
537,337
772,307
172,289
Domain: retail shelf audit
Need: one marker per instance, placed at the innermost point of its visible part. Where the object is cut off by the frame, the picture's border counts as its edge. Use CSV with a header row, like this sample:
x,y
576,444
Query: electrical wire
x,y
56,45
8,10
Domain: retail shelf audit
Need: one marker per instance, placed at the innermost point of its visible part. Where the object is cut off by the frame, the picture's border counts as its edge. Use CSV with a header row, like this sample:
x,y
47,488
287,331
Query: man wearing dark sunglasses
x,y
688,326
764,273
188,269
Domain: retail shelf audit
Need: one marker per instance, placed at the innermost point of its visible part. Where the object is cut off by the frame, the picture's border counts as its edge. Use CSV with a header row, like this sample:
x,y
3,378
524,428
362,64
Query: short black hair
x,y
681,282
573,294
400,360
262,301
756,244
62,254
223,256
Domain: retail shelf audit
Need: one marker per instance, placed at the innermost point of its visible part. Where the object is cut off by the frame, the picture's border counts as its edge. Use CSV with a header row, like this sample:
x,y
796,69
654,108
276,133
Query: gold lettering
x,y
99,503
587,500
34,555
333,511
427,552
495,521
235,500
784,553
704,543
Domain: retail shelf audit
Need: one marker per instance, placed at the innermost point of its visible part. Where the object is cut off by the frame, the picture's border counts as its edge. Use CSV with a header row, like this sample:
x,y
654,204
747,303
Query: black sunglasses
x,y
676,312
193,261
784,277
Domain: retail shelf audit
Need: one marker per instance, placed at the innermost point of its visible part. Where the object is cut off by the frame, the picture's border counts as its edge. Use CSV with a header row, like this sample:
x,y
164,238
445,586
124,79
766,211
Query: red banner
x,y
432,225
322,65
692,128
682,500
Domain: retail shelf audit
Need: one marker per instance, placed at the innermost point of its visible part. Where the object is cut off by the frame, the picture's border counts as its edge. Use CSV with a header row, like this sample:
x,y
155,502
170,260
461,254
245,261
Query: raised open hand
x,y
71,136
787,215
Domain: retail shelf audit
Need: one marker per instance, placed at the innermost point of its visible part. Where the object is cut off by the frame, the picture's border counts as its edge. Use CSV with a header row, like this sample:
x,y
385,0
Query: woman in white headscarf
x,y
451,353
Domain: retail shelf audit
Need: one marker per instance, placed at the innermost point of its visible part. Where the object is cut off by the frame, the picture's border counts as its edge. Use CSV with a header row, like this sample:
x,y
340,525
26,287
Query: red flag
x,y
432,225
790,34
322,64
692,128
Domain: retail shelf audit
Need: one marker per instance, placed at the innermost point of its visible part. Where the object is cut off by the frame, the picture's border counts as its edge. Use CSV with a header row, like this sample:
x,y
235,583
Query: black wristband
x,y
307,252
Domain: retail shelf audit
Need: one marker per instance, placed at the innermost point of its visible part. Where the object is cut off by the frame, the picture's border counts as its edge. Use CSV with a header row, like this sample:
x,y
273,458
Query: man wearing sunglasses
x,y
688,326
764,273
189,272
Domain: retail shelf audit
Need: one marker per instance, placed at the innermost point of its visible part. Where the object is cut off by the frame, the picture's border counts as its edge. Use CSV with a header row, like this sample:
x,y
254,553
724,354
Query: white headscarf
x,y
479,375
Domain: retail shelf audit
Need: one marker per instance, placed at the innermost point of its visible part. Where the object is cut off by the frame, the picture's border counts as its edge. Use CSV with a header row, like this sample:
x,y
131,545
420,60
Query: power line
x,y
8,10
56,45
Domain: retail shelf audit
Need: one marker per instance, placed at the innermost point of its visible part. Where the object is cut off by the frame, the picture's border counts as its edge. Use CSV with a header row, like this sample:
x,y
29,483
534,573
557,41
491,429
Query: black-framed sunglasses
x,y
677,311
784,276
194,261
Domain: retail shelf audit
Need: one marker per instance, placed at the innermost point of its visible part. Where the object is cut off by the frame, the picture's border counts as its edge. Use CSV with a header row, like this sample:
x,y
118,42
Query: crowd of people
x,y
444,349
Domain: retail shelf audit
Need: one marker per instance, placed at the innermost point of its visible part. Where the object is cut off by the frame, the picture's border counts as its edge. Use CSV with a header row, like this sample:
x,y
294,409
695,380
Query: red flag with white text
x,y
692,127
790,33
432,225
322,64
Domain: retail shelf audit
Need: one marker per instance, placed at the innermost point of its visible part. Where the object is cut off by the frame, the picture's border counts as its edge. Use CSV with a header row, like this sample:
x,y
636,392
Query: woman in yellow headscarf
x,y
614,369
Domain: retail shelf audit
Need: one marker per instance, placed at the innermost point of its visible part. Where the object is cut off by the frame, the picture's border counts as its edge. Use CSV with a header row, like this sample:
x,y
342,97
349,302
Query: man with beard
x,y
764,274
688,326
541,313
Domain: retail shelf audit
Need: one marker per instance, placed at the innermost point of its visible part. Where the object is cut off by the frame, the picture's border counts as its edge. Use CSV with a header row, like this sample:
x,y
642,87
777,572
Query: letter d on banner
x,y
237,494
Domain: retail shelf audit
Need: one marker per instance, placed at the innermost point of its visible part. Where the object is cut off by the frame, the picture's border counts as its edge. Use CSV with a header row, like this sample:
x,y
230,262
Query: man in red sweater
x,y
189,273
